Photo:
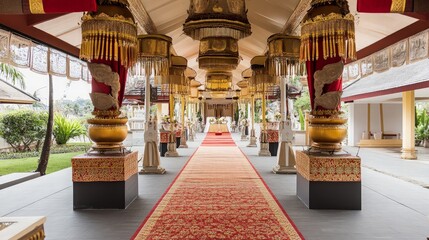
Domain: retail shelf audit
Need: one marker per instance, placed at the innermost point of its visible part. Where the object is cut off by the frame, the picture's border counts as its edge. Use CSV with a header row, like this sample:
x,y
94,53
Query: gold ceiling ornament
x,y
218,81
218,54
261,78
110,33
176,81
283,55
332,21
153,56
223,18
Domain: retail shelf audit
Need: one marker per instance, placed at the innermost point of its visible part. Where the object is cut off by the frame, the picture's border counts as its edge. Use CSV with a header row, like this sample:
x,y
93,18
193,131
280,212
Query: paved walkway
x,y
388,161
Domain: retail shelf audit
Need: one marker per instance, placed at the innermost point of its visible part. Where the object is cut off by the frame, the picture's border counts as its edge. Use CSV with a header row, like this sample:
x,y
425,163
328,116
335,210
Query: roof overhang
x,y
396,80
12,95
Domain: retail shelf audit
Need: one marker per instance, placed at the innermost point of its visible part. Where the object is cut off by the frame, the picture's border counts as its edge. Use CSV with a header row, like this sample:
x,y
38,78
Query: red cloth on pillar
x,y
313,66
371,6
66,6
117,67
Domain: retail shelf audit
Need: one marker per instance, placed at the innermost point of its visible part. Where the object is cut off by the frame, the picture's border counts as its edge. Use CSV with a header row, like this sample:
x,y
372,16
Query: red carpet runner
x,y
218,195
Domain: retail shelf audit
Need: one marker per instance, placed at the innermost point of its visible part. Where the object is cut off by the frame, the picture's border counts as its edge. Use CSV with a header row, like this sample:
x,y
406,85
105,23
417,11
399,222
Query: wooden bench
x,y
16,178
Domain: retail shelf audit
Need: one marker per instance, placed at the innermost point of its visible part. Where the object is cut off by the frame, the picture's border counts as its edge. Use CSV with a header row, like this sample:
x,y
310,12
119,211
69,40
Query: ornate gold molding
x,y
398,6
292,25
36,7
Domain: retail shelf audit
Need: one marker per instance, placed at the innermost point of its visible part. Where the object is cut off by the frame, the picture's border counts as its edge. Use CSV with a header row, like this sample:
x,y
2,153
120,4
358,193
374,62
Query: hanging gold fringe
x,y
282,67
337,33
109,38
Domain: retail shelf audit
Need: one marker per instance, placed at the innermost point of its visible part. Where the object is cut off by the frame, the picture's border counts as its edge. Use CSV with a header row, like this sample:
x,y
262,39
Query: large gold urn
x,y
107,133
327,132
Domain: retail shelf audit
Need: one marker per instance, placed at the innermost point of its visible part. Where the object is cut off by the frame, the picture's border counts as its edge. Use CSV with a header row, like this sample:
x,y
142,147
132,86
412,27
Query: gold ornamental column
x,y
108,172
175,81
260,81
284,63
408,123
153,60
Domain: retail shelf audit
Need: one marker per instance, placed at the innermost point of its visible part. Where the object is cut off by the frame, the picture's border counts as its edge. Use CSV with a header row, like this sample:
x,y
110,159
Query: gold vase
x,y
327,133
107,133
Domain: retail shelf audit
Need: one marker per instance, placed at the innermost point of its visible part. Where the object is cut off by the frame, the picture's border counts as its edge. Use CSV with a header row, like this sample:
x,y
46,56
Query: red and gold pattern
x,y
178,133
164,137
328,168
87,168
218,195
272,136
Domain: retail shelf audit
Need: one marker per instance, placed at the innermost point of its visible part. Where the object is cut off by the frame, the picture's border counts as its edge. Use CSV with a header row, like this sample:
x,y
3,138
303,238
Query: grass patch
x,y
56,163
66,148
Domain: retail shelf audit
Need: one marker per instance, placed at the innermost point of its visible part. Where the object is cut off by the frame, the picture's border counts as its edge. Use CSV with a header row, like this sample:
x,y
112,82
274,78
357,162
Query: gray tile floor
x,y
395,205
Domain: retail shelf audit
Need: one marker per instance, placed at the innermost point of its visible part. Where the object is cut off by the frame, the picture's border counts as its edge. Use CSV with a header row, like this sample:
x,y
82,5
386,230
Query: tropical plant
x,y
23,129
422,123
12,74
65,129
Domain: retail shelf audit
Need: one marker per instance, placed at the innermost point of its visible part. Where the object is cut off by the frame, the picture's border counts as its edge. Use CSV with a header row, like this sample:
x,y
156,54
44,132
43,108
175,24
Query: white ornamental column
x,y
285,155
151,157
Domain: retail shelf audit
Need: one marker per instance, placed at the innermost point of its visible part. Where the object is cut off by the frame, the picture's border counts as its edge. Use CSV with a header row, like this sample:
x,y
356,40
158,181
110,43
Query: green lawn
x,y
56,162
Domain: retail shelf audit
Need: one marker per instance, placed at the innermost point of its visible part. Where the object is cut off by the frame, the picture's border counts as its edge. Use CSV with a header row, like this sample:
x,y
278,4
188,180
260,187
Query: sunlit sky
x,y
40,83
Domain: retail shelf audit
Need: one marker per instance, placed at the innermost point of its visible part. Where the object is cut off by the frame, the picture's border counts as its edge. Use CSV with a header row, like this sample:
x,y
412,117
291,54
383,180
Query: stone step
x,y
16,178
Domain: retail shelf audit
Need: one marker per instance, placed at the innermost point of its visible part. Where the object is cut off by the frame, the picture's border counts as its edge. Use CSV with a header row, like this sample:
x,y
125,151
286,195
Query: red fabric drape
x,y
313,66
371,6
65,6
117,67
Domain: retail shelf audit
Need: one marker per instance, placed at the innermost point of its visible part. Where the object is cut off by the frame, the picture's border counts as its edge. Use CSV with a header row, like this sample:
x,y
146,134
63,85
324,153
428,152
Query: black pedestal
x,y
273,147
329,195
177,142
105,195
246,130
163,149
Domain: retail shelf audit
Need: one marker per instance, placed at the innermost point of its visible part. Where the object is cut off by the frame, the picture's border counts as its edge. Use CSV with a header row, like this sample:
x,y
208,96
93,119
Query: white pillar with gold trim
x,y
151,157
252,142
285,155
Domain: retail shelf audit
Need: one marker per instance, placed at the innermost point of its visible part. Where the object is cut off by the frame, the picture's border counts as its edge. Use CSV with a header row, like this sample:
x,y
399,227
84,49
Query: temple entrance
x,y
219,110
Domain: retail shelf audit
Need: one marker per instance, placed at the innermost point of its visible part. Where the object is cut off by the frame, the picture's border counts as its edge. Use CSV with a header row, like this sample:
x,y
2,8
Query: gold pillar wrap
x,y
398,6
408,122
36,6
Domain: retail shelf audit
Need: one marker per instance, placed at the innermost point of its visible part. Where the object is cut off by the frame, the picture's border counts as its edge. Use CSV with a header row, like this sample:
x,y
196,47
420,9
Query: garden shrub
x,y
23,129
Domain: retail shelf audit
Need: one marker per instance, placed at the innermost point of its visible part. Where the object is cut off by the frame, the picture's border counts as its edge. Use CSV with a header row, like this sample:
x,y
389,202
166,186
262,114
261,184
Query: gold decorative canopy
x,y
110,34
283,55
218,54
153,56
332,21
261,78
218,81
222,18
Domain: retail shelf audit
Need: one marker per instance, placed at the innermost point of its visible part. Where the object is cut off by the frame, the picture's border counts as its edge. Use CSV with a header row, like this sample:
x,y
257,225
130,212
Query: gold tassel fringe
x,y
109,38
337,33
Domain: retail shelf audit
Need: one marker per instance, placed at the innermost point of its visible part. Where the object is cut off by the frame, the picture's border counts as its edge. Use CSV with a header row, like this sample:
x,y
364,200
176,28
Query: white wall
x,y
358,120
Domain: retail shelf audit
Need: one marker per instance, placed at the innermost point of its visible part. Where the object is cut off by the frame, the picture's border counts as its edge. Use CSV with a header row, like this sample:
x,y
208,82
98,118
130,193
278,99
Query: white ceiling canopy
x,y
267,17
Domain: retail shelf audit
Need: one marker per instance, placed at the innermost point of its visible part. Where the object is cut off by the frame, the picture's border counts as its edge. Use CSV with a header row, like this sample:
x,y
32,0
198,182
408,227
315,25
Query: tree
x,y
46,149
12,74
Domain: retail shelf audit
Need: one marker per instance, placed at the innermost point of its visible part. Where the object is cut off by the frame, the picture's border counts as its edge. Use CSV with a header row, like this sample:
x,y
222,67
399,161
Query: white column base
x,y
171,150
409,154
252,142
152,170
285,163
151,159
183,140
264,150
